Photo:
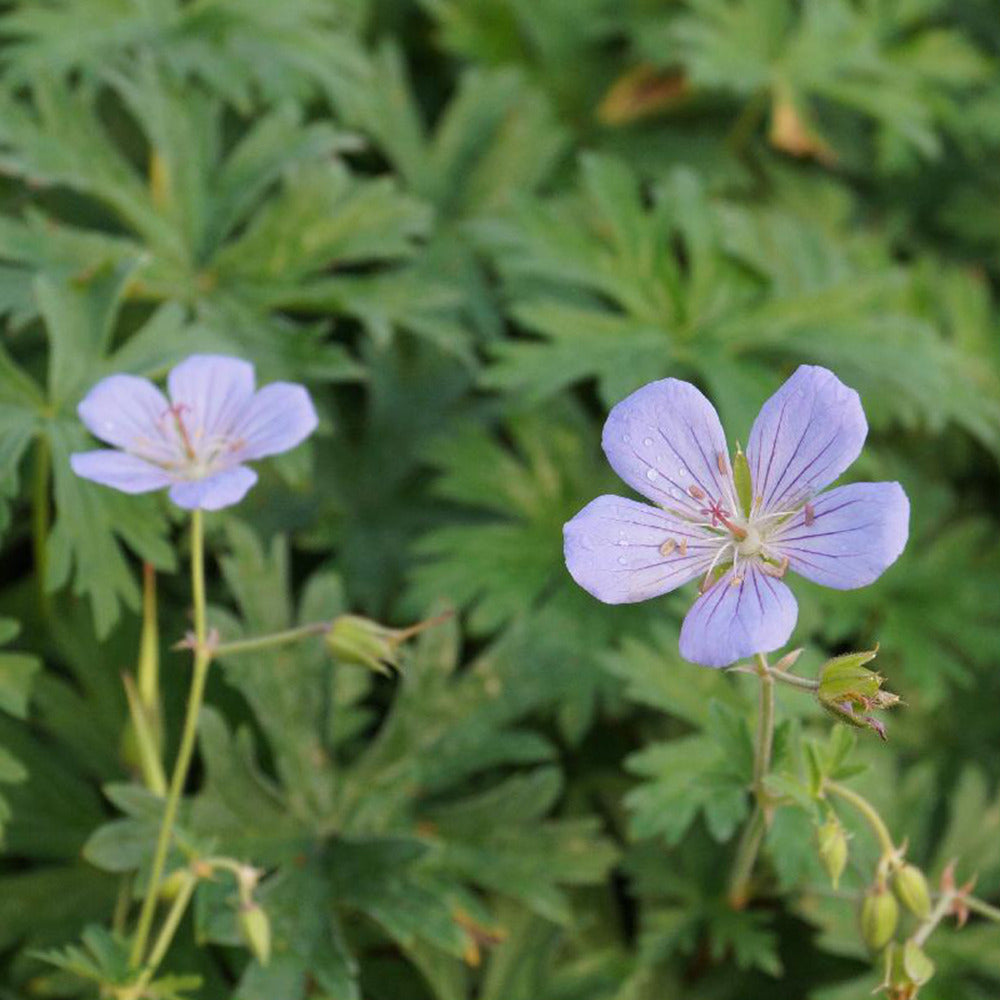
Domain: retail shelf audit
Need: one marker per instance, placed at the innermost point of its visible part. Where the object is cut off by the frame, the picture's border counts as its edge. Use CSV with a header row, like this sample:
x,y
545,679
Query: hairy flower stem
x,y
273,639
202,660
868,811
927,927
983,908
760,819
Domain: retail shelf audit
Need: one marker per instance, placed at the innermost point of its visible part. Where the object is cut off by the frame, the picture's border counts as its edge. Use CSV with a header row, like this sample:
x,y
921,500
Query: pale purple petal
x,y
129,412
119,470
214,390
804,437
730,622
665,441
615,550
856,533
214,492
278,418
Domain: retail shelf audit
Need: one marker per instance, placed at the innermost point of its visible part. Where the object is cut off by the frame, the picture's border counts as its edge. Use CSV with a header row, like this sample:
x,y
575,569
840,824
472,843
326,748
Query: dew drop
x,y
648,442
651,474
621,560
626,438
622,543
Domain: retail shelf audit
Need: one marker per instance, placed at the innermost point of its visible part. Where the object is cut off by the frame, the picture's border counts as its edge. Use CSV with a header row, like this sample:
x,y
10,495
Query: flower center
x,y
751,544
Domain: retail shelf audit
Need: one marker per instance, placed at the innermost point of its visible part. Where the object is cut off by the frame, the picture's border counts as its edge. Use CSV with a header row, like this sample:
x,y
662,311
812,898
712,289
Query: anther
x,y
810,514
667,547
735,581
720,461
697,492
683,547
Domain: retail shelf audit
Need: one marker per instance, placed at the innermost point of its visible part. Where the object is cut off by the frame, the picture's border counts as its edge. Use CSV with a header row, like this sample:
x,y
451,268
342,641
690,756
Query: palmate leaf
x,y
389,829
905,71
622,291
236,232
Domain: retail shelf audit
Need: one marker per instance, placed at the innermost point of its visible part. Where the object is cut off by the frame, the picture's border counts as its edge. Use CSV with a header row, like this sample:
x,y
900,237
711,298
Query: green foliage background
x,y
471,226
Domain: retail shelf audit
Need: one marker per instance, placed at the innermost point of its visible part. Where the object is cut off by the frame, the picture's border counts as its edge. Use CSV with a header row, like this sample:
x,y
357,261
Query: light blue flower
x,y
666,441
196,441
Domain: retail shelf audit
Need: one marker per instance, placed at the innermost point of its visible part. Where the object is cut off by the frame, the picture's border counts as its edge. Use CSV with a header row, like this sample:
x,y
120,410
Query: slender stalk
x,y
202,660
863,806
273,639
928,926
760,819
40,519
983,908
170,925
793,680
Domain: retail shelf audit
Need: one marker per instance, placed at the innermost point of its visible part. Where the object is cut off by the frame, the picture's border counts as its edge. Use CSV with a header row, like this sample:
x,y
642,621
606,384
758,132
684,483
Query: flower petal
x,y
665,441
128,411
214,492
731,621
123,472
279,417
855,533
215,389
614,551
804,437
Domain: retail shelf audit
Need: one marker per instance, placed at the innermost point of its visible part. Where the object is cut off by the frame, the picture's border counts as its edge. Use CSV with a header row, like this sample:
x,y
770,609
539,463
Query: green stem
x,y
867,810
166,936
928,926
273,639
983,908
753,834
202,660
40,519
793,680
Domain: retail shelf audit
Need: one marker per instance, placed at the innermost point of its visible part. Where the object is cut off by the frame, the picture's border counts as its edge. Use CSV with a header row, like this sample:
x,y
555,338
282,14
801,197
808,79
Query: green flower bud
x,y
173,883
846,678
832,843
910,886
879,916
366,643
918,967
255,929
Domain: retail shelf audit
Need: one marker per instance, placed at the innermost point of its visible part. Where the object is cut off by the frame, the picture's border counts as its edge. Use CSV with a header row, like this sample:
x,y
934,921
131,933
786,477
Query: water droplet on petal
x,y
648,442
621,560
651,474
626,438
622,543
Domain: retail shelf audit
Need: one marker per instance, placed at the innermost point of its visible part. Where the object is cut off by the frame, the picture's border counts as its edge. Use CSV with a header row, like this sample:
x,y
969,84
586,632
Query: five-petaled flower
x,y
738,532
197,441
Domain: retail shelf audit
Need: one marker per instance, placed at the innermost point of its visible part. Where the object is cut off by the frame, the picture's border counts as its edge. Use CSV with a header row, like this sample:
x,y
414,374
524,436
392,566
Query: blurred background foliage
x,y
470,226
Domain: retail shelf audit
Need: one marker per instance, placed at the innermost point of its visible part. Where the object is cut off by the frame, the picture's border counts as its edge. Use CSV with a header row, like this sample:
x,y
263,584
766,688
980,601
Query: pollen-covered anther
x,y
736,580
667,547
769,569
810,514
696,491
683,547
720,461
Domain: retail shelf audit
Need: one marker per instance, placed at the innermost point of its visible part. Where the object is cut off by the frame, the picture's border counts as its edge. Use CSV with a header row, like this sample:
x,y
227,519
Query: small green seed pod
x,y
911,888
879,916
832,843
255,929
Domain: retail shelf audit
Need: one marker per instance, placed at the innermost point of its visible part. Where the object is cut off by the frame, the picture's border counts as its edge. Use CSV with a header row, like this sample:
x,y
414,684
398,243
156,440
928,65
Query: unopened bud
x,y
845,677
366,643
788,660
255,929
832,843
172,884
911,887
879,916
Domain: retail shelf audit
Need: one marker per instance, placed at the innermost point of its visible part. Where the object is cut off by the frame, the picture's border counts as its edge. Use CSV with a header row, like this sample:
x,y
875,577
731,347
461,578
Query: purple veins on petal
x,y
666,439
620,550
804,437
737,617
852,535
